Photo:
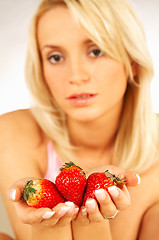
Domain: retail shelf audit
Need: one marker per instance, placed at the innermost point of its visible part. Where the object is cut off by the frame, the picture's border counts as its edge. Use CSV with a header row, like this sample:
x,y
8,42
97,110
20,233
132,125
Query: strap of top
x,y
54,163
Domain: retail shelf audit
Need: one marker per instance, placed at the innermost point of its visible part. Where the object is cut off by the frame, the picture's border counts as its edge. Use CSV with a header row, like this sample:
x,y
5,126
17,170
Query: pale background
x,y
14,20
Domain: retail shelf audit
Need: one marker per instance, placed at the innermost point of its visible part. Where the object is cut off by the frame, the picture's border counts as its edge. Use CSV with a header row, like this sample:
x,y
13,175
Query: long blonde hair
x,y
114,27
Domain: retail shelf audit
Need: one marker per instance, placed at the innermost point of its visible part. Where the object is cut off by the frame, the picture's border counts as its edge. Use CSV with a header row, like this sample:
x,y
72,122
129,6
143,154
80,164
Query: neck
x,y
92,135
95,138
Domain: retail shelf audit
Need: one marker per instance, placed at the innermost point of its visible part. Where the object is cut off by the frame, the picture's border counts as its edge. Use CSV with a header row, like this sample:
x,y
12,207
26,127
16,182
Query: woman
x,y
88,71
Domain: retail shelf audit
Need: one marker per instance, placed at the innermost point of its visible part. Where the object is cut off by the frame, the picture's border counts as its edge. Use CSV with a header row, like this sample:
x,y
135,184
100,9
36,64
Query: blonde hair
x,y
114,27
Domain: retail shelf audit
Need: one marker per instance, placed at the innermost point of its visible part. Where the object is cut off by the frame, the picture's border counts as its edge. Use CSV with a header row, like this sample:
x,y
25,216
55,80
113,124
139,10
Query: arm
x,y
21,150
44,222
92,231
149,227
90,223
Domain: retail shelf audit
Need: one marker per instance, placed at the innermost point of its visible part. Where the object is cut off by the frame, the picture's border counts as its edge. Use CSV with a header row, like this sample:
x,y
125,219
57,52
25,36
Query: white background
x,y
15,16
14,20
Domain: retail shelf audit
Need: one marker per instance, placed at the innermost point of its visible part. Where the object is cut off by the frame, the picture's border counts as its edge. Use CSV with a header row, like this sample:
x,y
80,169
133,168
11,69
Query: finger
x,y
15,192
121,198
69,214
107,206
63,213
132,179
82,216
30,215
76,210
59,212
93,211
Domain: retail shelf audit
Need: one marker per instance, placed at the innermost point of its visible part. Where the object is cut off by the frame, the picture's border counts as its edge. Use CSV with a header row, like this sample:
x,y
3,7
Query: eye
x,y
96,53
55,58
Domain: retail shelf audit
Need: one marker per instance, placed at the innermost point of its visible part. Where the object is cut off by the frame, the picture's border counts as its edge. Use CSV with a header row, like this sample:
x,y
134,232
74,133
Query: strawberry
x,y
40,193
71,183
100,180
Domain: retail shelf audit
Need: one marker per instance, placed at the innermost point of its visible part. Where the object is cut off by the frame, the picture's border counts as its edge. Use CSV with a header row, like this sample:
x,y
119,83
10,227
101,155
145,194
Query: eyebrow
x,y
85,42
50,46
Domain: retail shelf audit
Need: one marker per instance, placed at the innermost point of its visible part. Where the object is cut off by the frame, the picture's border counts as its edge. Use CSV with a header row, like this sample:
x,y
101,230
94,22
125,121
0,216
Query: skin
x,y
79,69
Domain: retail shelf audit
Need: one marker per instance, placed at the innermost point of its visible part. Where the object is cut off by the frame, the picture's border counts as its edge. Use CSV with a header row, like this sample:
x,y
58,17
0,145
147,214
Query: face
x,y
85,82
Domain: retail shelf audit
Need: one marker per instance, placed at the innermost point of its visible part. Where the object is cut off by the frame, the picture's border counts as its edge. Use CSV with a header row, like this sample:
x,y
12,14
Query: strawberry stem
x,y
69,164
116,180
28,190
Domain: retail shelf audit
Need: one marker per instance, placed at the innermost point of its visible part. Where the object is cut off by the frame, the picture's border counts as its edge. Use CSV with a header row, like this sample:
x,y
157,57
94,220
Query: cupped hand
x,y
107,204
43,218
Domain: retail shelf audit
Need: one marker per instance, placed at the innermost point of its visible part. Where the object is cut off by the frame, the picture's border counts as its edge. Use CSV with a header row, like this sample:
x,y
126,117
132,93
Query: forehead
x,y
55,16
56,24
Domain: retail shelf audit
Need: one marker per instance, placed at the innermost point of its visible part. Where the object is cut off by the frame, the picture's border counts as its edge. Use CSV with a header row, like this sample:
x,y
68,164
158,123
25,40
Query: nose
x,y
78,73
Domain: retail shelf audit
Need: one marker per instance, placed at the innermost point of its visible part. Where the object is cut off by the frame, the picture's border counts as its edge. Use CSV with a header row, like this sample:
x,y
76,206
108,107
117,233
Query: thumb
x,y
132,179
15,192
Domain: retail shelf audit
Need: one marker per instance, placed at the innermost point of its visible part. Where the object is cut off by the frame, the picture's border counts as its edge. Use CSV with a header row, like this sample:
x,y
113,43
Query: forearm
x,y
59,233
93,231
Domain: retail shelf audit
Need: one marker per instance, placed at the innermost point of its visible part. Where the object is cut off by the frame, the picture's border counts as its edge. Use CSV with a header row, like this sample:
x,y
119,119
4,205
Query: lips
x,y
81,99
81,96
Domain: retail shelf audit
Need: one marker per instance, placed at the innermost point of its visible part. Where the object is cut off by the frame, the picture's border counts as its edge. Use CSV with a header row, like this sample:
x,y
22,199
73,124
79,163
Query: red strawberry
x,y
40,193
100,180
71,183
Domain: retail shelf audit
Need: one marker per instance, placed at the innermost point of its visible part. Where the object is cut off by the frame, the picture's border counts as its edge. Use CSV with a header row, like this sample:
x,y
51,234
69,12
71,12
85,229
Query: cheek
x,y
116,79
53,80
119,83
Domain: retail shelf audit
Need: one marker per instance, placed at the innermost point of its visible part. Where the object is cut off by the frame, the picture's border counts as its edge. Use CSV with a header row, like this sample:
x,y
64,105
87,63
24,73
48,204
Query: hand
x,y
132,178
42,218
108,204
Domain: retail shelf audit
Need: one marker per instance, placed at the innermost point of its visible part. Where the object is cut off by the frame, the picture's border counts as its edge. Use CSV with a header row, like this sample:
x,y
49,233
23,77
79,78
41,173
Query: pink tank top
x,y
54,163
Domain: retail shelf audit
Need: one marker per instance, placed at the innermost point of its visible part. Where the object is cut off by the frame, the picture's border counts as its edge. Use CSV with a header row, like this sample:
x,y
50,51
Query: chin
x,y
84,116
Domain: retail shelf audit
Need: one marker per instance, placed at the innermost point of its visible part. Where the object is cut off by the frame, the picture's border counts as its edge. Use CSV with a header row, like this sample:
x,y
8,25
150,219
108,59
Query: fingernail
x,y
76,210
91,204
48,215
13,194
138,178
113,191
64,210
69,204
84,211
100,194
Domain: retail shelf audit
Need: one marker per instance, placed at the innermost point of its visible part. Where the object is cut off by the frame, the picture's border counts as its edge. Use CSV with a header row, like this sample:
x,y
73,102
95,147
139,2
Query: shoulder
x,y
21,142
148,186
20,119
20,126
150,223
153,211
